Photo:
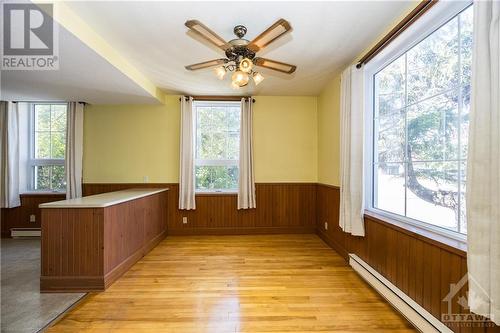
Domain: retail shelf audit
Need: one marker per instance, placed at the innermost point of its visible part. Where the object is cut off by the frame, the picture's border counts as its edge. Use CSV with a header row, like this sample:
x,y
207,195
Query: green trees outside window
x,y
422,102
48,137
217,145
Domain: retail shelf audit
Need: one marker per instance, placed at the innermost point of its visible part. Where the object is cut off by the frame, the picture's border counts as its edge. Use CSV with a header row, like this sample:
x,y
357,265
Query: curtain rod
x,y
46,102
218,98
405,23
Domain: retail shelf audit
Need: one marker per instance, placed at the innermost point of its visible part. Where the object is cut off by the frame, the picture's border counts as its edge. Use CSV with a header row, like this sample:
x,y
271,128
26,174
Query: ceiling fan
x,y
241,53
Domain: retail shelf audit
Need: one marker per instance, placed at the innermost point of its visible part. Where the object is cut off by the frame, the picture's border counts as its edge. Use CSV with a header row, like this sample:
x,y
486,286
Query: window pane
x,y
466,44
463,210
212,146
464,124
216,177
389,187
433,129
390,88
217,133
42,144
42,177
58,178
42,117
391,137
432,194
59,117
58,144
433,63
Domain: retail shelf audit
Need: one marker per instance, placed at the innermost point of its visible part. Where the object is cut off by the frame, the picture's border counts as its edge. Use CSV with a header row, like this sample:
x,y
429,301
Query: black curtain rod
x,y
210,98
48,102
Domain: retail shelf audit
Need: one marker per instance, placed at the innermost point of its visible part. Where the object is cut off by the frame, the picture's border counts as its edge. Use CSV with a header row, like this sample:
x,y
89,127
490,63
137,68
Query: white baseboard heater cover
x,y
416,314
25,232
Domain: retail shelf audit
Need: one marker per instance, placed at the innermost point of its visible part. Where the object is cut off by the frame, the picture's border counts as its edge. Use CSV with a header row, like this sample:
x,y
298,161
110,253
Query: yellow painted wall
x,y
124,143
285,137
329,133
329,118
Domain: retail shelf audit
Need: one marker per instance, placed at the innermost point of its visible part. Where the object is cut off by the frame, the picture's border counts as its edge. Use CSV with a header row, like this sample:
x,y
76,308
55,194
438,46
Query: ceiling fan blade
x,y
275,65
278,29
203,31
206,64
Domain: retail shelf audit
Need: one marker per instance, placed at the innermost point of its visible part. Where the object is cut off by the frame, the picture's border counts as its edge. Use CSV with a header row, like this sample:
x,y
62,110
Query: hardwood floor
x,y
275,283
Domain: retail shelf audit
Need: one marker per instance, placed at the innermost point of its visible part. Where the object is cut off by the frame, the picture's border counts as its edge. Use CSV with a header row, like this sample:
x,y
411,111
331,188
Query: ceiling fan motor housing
x,y
238,49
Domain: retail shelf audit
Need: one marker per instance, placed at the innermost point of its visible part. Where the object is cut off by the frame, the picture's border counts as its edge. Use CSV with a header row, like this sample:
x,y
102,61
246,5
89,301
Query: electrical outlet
x,y
33,218
184,220
326,225
145,179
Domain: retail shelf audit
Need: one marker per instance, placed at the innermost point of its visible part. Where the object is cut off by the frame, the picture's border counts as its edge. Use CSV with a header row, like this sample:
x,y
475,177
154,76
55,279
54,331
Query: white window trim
x,y
441,13
207,162
32,161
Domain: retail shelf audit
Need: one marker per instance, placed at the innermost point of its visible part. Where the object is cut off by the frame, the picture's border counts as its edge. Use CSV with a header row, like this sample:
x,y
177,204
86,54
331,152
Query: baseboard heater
x,y
25,232
416,314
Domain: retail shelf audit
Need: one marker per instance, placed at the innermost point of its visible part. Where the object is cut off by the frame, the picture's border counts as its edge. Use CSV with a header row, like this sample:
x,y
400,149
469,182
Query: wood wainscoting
x,y
281,208
19,217
421,267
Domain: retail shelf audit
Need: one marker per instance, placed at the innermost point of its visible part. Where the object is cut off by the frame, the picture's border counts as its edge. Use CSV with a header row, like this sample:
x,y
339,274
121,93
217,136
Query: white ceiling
x,y
82,76
326,36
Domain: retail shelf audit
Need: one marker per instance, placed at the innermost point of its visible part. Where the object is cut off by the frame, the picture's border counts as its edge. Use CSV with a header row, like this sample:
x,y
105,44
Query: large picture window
x,y
48,146
420,125
217,145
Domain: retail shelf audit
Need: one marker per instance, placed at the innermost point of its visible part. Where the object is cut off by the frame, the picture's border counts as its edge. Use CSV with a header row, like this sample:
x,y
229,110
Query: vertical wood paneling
x,y
87,249
281,207
422,268
19,217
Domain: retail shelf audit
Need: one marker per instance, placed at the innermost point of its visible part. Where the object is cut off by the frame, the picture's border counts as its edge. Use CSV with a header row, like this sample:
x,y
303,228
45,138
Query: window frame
x,y
34,162
210,162
439,15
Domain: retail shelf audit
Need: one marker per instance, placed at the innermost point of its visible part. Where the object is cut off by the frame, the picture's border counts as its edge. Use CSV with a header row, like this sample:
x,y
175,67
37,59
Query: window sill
x,y
445,242
45,193
216,193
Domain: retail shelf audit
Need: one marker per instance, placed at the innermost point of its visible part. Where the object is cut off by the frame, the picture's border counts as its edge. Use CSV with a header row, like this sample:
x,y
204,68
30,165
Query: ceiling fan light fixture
x,y
220,72
258,78
246,65
240,54
240,78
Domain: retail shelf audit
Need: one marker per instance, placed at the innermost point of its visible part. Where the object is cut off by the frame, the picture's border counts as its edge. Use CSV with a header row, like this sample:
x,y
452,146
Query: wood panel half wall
x,y
281,208
19,217
420,266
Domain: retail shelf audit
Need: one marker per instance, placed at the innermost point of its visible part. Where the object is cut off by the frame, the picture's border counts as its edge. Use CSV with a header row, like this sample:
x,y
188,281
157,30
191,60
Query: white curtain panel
x,y
483,165
9,146
246,189
186,177
74,150
351,159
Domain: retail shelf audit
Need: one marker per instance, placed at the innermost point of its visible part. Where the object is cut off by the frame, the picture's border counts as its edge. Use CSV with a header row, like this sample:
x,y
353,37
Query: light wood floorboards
x,y
276,283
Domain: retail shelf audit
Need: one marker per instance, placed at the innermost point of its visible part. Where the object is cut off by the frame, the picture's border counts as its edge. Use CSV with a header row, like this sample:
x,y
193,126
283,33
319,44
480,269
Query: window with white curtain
x,y
47,146
217,145
421,102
